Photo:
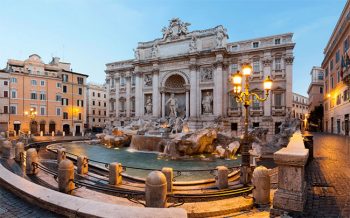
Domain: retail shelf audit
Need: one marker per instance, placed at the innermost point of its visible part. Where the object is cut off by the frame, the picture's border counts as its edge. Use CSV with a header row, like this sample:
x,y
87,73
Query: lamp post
x,y
246,97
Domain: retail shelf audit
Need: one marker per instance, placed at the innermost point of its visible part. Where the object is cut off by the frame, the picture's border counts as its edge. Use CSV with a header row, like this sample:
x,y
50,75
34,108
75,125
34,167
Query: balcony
x,y
278,74
278,110
234,112
256,111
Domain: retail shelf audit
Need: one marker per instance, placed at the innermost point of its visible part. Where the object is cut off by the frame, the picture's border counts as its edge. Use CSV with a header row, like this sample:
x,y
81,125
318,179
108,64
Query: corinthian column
x,y
155,94
193,91
267,72
218,89
128,87
138,95
288,62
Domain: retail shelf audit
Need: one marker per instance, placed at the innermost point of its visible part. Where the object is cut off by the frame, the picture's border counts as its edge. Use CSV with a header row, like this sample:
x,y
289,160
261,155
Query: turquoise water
x,y
132,158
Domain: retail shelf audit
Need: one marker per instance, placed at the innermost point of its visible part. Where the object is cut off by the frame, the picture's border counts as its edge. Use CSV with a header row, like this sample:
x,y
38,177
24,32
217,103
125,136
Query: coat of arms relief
x,y
175,30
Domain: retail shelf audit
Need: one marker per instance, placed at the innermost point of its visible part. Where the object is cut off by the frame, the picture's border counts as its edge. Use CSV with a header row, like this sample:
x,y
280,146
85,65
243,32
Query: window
x,y
80,103
331,65
93,119
65,101
256,103
255,44
326,87
65,115
255,124
99,119
13,109
321,90
234,68
99,103
338,99
13,94
326,71
13,80
58,97
320,76
6,109
33,82
256,66
42,110
277,63
346,95
338,76
98,95
112,83
346,45
6,94
33,95
104,112
6,83
122,81
104,95
58,85
93,112
42,96
277,41
42,82
64,77
79,116
133,80
64,89
99,112
58,111
104,104
278,100
332,82
93,94
80,80
93,102
337,56
80,91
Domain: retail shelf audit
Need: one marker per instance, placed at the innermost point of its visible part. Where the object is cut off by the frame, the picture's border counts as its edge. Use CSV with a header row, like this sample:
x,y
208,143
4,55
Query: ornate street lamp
x,y
246,97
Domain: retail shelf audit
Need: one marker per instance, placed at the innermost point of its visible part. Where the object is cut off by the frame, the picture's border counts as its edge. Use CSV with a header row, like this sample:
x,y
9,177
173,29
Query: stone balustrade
x,y
291,193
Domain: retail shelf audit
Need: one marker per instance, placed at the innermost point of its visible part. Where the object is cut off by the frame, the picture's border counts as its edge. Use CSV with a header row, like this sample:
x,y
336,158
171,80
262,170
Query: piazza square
x,y
175,109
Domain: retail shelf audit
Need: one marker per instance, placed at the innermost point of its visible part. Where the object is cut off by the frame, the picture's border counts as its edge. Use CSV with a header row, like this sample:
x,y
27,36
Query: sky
x,y
91,33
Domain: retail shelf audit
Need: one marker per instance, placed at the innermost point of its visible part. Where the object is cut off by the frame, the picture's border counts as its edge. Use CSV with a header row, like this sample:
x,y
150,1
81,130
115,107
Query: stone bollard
x,y
61,154
66,176
115,173
7,150
63,133
261,183
73,133
169,175
31,157
19,152
156,190
41,133
82,165
82,134
222,177
53,133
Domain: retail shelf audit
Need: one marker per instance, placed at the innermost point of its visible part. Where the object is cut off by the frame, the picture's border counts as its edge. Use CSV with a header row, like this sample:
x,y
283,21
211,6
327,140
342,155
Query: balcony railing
x,y
256,111
278,74
278,110
234,111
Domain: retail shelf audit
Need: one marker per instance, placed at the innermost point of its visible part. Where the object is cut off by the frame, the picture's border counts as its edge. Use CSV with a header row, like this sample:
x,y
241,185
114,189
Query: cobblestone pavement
x,y
328,177
12,206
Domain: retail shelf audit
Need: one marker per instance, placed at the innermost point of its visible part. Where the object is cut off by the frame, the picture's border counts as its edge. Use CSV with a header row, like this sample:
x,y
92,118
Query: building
x,y
336,65
4,100
96,107
186,74
300,108
315,90
45,97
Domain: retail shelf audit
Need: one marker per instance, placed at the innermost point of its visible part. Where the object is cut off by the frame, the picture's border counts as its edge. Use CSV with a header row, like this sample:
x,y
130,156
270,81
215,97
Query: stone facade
x,y
4,100
190,71
96,106
336,64
53,90
315,90
300,106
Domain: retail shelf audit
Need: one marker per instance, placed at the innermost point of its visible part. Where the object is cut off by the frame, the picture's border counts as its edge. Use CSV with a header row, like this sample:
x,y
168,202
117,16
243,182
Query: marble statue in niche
x,y
219,38
207,103
148,80
148,105
193,44
155,50
207,75
173,105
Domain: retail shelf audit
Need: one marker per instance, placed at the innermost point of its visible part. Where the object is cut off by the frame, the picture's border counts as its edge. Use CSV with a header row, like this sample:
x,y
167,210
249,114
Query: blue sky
x,y
91,33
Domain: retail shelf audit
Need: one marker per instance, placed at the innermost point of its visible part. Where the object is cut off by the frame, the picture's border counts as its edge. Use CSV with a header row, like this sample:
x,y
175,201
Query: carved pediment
x,y
175,29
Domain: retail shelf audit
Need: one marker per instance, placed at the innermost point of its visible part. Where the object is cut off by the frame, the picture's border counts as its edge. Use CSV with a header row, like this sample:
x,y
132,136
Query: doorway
x,y
66,129
17,127
346,124
34,127
77,130
52,127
